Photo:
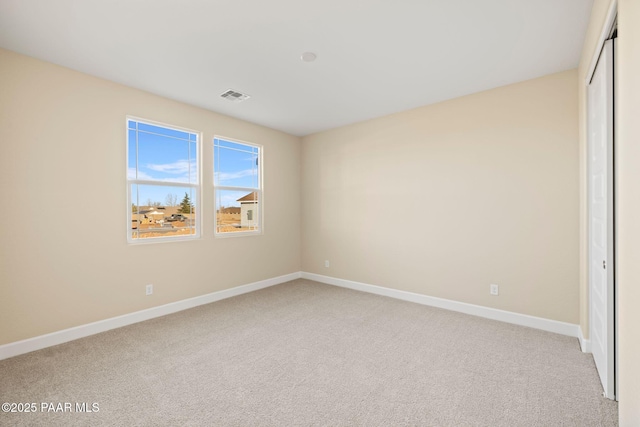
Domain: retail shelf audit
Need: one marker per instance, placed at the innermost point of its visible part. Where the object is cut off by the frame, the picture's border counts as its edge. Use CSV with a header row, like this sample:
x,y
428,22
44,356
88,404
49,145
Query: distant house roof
x,y
251,197
168,210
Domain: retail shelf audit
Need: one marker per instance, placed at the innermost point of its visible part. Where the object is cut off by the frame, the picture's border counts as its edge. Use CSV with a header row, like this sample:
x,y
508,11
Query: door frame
x,y
608,30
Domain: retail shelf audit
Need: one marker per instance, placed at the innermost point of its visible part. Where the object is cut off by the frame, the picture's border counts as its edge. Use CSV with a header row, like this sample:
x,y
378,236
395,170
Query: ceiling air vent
x,y
234,96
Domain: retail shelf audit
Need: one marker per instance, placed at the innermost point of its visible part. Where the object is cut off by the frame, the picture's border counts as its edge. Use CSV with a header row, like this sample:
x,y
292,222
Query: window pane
x,y
193,154
162,211
132,153
166,156
237,211
236,165
163,131
166,159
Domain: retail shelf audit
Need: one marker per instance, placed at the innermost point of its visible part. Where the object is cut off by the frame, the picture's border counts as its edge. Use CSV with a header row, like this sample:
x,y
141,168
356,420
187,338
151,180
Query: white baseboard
x,y
476,310
55,338
60,337
585,344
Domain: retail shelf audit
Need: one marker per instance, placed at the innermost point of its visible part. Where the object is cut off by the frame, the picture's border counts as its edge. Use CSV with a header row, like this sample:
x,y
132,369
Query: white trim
x,y
585,344
555,326
612,13
59,337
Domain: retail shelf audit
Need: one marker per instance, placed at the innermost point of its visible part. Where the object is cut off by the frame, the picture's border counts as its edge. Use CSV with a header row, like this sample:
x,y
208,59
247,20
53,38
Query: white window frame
x,y
259,190
197,187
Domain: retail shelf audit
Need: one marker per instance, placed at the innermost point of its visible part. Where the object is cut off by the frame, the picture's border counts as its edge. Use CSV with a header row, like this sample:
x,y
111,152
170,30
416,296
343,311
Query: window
x,y
163,182
237,183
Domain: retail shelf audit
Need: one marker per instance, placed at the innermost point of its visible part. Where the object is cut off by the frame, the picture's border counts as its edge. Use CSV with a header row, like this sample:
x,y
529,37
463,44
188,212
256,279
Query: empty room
x,y
344,213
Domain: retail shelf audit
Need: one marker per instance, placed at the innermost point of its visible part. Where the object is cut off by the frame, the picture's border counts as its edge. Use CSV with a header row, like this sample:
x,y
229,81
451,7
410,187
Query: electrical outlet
x,y
149,289
326,263
494,289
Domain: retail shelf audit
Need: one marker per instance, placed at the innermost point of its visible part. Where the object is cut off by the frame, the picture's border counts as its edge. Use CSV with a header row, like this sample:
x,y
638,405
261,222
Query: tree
x,y
152,204
171,200
186,206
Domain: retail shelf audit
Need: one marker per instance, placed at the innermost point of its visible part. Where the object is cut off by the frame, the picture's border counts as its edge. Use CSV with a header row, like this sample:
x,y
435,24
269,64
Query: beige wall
x,y
446,199
628,197
63,155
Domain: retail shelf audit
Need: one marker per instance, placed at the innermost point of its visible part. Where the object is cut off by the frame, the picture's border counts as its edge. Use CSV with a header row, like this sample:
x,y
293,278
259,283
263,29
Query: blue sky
x,y
169,156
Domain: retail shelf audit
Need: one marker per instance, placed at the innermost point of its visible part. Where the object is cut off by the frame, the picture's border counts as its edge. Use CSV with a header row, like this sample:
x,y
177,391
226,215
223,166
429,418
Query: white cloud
x,y
228,176
131,174
179,167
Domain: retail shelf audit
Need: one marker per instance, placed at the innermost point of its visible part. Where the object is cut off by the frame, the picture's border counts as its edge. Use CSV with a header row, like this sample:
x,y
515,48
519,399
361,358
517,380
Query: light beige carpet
x,y
309,354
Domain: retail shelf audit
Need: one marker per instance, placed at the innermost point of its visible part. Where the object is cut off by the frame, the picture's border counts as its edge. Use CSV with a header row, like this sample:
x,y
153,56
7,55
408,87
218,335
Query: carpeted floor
x,y
309,354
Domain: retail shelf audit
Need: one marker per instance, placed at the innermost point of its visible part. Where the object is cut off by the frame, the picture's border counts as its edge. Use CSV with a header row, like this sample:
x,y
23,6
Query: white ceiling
x,y
375,57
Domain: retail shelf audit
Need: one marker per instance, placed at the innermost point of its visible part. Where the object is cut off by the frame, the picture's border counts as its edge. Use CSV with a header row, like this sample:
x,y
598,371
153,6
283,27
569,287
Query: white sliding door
x,y
601,219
